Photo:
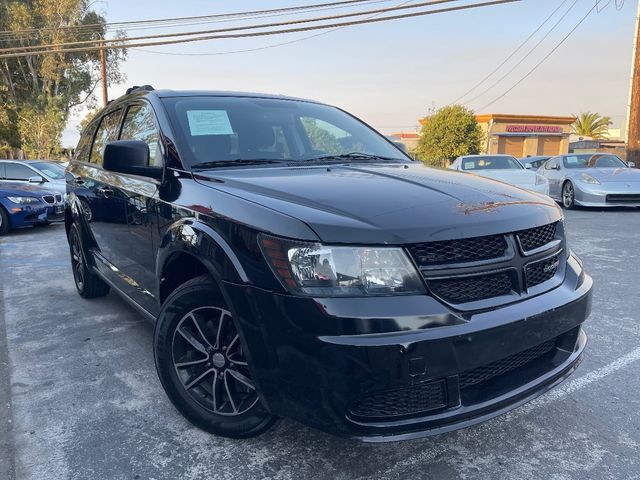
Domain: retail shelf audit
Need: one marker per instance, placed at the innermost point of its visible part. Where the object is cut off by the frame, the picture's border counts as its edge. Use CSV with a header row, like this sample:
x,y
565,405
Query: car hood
x,y
514,177
613,174
11,189
386,203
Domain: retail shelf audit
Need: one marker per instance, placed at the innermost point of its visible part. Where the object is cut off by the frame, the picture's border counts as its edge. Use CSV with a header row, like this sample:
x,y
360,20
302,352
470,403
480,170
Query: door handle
x,y
105,191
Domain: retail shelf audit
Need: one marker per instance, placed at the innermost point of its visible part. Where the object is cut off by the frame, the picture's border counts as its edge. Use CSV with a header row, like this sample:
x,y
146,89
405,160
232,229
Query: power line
x,y
255,49
524,57
504,62
166,21
226,30
260,34
566,37
83,29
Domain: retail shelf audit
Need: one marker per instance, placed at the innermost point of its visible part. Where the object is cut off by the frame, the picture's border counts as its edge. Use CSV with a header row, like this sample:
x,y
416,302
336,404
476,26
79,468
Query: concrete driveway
x,y
81,400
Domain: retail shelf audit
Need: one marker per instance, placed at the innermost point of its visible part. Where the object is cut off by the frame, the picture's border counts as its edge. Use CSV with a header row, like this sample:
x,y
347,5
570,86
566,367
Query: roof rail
x,y
135,88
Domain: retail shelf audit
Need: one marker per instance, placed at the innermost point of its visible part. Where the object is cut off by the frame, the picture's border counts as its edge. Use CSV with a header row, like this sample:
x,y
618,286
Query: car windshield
x,y
231,131
576,161
606,161
491,163
50,169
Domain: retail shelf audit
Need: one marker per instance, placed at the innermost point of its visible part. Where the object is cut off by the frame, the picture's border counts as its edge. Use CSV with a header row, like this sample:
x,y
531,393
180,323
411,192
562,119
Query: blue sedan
x,y
24,206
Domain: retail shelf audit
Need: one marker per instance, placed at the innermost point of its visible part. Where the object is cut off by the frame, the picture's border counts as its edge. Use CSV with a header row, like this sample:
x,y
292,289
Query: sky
x,y
390,74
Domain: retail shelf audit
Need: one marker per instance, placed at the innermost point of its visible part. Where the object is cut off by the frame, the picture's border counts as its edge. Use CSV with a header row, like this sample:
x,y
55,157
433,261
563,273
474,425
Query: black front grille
x,y
471,289
533,238
456,251
505,365
540,272
402,402
49,199
624,198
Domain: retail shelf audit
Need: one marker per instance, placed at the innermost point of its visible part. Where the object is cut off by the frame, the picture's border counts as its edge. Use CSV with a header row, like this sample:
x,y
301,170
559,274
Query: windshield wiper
x,y
232,163
351,156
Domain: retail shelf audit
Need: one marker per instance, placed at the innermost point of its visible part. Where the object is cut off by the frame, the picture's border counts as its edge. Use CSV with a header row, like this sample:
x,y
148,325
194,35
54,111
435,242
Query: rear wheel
x,y
568,196
4,222
203,366
88,284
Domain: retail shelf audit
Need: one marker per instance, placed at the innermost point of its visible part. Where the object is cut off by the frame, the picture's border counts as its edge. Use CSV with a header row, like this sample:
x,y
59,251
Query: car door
x,y
553,175
132,197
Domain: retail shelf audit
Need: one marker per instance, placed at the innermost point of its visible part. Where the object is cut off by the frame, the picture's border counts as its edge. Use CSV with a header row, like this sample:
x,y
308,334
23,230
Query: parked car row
x,y
32,193
588,180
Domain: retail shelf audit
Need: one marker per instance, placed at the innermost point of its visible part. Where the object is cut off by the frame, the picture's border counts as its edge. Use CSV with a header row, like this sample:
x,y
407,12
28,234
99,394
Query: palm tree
x,y
591,125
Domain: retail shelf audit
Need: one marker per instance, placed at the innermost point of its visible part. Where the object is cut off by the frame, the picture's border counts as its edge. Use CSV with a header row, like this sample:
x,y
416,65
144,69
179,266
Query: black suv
x,y
297,263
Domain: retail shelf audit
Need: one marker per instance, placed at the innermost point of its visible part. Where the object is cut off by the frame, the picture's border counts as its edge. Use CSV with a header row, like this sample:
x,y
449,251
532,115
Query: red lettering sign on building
x,y
534,129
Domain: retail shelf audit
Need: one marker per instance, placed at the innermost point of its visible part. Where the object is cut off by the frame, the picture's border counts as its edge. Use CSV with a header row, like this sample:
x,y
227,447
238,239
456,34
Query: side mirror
x,y
401,146
36,179
129,156
528,166
631,164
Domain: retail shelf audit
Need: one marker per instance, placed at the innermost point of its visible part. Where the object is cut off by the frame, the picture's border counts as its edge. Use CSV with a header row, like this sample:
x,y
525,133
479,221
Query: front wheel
x,y
203,366
568,196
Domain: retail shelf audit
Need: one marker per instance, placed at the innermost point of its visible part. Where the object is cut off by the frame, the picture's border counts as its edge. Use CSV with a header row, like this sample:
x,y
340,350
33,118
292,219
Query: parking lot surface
x,y
80,397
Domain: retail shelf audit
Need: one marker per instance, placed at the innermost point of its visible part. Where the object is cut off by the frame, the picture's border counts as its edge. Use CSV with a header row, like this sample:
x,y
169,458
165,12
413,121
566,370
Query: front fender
x,y
199,240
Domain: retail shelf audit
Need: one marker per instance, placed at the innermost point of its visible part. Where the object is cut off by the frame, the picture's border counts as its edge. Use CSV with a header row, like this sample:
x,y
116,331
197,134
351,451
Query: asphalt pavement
x,y
80,398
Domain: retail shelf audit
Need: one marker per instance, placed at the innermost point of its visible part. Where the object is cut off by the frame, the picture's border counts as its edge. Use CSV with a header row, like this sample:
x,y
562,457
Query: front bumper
x,y
55,213
616,194
351,366
27,215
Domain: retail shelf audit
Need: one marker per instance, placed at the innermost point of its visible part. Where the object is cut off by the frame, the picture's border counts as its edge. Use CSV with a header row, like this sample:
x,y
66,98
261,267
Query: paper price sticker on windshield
x,y
209,122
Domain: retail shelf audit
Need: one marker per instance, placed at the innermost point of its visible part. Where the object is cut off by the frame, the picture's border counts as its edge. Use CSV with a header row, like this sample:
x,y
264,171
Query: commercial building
x,y
525,135
410,139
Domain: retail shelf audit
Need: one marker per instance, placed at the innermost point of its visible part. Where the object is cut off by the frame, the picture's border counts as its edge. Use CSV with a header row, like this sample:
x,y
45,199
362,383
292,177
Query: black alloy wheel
x,y
203,366
88,284
568,196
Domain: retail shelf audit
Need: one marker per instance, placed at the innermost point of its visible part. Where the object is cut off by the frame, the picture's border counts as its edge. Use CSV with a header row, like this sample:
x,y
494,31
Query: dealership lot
x,y
80,396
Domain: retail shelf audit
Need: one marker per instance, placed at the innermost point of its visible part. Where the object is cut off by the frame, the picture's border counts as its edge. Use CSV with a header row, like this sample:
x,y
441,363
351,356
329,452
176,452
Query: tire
x,y
88,283
5,223
568,196
86,210
201,363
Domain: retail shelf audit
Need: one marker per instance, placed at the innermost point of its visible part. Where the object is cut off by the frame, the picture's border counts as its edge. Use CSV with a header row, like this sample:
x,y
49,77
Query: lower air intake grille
x,y
624,198
500,367
402,402
471,289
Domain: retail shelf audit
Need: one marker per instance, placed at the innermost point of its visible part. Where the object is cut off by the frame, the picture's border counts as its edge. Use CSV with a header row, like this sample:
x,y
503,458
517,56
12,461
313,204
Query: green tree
x,y
592,125
38,92
450,132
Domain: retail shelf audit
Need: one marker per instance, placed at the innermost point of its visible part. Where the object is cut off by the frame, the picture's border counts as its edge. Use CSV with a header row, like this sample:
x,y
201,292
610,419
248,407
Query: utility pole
x,y
633,117
103,73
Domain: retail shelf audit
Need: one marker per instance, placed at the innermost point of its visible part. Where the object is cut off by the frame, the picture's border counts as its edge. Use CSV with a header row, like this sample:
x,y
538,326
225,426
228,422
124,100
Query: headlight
x,y
334,271
586,178
540,180
24,200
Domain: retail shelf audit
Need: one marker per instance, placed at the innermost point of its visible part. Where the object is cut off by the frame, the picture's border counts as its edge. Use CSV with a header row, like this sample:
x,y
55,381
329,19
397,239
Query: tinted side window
x,y
139,124
2,171
107,131
14,171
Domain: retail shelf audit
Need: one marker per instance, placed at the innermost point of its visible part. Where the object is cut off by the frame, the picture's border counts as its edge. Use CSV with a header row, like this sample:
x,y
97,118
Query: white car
x,y
504,168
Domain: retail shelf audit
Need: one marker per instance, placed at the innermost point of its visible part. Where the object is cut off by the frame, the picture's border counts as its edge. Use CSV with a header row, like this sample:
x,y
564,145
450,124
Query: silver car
x,y
592,180
42,172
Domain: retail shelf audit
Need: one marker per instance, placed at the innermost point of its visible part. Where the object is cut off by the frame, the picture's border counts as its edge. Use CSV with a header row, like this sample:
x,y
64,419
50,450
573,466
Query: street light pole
x,y
103,73
633,117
